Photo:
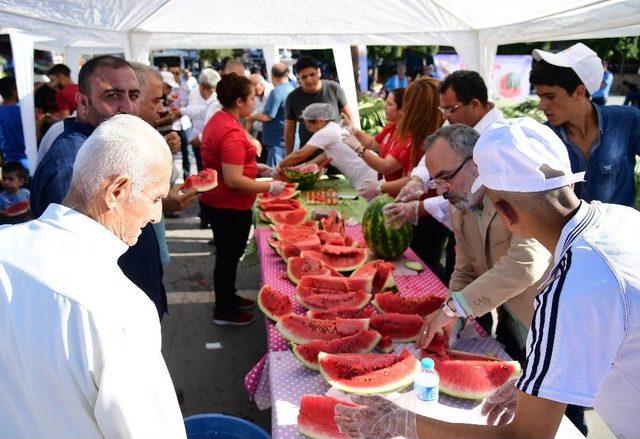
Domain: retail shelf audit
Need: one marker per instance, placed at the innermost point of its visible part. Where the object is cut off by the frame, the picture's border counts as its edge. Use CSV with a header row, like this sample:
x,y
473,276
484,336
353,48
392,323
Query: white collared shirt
x,y
583,347
197,109
79,343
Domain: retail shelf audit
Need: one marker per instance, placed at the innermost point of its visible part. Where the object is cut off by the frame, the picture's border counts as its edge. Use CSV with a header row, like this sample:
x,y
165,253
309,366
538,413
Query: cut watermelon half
x,y
203,181
300,329
273,303
369,373
323,302
389,302
402,328
17,209
299,266
341,257
359,343
316,418
292,217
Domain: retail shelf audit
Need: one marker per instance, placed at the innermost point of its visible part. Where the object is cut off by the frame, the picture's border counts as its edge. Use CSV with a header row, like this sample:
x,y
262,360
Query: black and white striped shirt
x,y
583,347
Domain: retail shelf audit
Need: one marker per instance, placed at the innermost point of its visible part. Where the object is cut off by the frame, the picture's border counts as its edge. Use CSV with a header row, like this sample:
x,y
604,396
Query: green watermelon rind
x,y
391,387
305,180
444,388
263,307
384,242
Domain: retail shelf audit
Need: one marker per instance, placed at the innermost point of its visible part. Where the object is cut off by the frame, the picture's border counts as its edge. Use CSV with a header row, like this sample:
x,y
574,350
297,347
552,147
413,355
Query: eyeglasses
x,y
448,111
434,182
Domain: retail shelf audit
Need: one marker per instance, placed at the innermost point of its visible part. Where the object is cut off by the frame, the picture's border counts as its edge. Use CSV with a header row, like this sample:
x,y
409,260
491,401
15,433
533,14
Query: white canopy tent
x,y
474,28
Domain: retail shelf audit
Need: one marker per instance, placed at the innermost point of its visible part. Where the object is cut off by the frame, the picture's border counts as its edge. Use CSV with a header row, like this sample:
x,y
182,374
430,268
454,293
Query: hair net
x,y
319,111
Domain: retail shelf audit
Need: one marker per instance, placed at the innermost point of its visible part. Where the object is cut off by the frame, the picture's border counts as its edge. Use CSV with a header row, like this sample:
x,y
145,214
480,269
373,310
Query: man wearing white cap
x,y
584,342
601,140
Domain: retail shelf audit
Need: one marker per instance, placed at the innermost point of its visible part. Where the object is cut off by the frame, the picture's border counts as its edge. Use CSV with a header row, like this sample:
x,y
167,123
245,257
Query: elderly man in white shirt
x,y
80,343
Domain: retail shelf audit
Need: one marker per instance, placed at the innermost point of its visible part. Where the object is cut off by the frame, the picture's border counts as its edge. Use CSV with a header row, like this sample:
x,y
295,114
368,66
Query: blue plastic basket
x,y
216,426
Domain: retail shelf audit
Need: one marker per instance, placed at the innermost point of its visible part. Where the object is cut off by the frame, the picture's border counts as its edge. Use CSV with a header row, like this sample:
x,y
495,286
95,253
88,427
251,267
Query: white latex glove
x,y
352,142
501,405
378,418
398,214
276,187
370,189
264,170
411,191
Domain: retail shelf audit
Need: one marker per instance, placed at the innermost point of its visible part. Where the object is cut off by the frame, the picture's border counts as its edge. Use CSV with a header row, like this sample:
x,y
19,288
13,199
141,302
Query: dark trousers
x,y
184,148
429,238
230,233
198,157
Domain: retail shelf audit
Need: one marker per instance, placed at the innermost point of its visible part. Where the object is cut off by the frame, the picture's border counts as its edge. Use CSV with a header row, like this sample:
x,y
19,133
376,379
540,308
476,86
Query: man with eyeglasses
x,y
493,267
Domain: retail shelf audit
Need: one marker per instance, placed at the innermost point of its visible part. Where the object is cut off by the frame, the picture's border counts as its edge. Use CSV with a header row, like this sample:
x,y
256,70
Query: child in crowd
x,y
14,199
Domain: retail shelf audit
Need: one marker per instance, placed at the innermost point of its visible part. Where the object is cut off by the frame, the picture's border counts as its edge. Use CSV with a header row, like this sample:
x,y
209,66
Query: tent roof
x,y
299,23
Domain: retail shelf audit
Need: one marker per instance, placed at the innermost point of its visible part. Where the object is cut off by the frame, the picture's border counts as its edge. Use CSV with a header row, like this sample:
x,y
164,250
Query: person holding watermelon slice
x,y
227,148
13,179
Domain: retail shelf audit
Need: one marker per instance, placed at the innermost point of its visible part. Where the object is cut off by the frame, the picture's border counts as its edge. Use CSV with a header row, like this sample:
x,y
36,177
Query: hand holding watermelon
x,y
411,191
378,418
398,214
433,323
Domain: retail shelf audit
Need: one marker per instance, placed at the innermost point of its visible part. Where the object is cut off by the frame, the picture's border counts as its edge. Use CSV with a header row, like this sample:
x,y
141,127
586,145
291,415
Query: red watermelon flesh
x,y
299,266
316,418
203,181
382,272
385,345
323,302
342,312
342,258
400,327
331,238
284,232
19,208
300,329
273,303
358,343
279,205
325,284
369,373
295,248
438,346
292,217
290,191
394,303
473,379
333,223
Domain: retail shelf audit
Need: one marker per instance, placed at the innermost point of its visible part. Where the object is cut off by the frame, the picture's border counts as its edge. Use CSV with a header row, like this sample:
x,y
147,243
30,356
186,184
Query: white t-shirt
x,y
329,139
79,342
583,347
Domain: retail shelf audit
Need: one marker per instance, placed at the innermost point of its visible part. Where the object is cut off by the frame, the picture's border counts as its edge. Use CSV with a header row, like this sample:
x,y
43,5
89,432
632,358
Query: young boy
x,y
14,195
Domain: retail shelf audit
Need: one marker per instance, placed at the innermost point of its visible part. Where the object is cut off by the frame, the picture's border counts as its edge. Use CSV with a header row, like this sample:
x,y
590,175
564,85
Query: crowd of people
x,y
534,223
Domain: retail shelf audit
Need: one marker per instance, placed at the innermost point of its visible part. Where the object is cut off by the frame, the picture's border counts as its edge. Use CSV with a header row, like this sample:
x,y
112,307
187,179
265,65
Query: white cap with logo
x,y
518,155
580,59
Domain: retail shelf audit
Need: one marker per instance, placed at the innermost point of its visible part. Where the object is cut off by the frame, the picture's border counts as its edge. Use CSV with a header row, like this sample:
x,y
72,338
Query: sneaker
x,y
244,303
237,318
211,242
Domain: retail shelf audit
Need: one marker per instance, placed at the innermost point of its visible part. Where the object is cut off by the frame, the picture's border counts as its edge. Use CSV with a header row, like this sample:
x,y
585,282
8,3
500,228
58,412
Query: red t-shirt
x,y
66,98
225,141
400,150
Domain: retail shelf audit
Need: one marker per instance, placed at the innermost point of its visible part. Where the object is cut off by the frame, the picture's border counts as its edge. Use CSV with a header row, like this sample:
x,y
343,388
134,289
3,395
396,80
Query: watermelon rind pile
x,y
383,241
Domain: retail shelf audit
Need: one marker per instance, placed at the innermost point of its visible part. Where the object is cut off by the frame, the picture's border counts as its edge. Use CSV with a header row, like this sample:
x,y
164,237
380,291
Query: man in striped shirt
x,y
584,344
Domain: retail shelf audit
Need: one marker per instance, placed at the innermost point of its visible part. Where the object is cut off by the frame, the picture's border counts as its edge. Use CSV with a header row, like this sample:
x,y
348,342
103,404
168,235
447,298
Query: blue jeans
x,y
275,155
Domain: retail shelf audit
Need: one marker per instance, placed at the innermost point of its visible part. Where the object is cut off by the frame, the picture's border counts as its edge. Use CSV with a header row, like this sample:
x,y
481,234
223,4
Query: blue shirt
x,y
141,263
603,91
273,131
610,165
11,137
7,199
395,82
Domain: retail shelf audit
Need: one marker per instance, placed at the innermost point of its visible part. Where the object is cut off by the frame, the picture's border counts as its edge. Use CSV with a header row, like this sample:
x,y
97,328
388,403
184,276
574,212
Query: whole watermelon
x,y
385,242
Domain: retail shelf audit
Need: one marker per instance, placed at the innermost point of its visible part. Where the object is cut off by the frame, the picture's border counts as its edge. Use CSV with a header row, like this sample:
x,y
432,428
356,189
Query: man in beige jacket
x,y
493,267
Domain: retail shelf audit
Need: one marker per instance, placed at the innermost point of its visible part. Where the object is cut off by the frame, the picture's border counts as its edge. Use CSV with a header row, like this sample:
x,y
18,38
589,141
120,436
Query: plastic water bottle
x,y
427,384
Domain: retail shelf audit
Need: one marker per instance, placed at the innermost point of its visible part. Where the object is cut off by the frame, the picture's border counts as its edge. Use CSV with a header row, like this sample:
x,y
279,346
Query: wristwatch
x,y
449,308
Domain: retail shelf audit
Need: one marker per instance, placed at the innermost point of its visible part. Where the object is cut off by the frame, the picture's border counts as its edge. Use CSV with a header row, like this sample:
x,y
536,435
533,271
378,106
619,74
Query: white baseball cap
x,y
514,155
582,60
167,78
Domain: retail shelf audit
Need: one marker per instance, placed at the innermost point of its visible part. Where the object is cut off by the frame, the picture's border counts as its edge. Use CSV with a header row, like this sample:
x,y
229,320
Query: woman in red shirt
x,y
227,148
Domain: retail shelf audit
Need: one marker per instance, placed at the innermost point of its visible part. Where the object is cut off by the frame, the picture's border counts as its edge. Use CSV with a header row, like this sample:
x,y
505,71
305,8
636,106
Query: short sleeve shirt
x,y
225,141
273,131
390,146
298,100
7,199
66,98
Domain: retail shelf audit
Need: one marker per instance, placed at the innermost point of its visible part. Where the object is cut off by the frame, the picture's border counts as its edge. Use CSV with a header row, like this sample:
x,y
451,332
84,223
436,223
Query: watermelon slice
x,y
273,303
290,191
203,181
299,266
385,345
400,327
283,231
17,209
341,257
316,418
473,378
394,303
359,343
323,302
291,217
334,223
295,248
382,272
279,205
342,312
300,329
325,284
369,373
333,238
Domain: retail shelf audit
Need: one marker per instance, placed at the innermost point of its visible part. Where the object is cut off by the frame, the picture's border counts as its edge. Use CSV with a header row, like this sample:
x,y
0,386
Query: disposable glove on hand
x,y
398,214
501,405
370,189
411,191
377,418
276,188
